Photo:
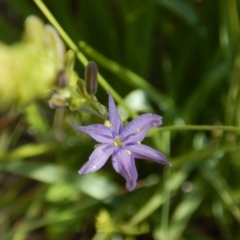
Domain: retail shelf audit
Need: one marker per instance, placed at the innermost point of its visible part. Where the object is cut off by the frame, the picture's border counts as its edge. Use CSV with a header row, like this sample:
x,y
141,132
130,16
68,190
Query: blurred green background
x,y
177,58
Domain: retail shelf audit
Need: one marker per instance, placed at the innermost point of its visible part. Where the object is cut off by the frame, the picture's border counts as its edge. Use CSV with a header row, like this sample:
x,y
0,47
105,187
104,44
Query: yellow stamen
x,y
138,130
138,142
115,144
128,152
108,124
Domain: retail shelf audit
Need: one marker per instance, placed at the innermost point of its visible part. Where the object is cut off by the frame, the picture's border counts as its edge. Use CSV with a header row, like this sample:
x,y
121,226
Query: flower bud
x,y
57,101
62,80
91,78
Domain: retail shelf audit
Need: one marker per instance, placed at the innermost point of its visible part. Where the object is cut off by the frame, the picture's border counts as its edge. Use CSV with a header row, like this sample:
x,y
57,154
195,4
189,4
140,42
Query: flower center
x,y
117,142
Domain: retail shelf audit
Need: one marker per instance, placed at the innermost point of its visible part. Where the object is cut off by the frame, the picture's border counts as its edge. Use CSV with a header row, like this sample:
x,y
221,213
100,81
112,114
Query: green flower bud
x,y
91,78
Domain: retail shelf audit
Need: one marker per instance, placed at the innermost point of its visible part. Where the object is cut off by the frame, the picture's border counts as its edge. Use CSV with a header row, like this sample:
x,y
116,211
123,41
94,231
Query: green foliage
x,y
179,59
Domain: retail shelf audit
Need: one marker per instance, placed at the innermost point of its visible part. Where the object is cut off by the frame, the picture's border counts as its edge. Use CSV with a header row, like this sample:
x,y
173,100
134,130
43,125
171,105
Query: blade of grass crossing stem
x,y
186,209
173,183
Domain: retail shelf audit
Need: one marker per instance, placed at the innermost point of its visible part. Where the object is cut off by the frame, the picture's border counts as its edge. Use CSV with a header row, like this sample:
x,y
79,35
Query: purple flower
x,y
123,143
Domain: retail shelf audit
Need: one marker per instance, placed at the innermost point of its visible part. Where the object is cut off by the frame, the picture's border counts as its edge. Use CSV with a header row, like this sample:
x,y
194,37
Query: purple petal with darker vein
x,y
114,117
137,128
98,132
124,164
97,159
144,152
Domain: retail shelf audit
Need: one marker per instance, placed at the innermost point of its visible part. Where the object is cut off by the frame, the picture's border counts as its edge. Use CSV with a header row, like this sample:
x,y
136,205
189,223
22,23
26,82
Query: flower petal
x,y
114,117
97,159
137,128
124,164
144,152
98,132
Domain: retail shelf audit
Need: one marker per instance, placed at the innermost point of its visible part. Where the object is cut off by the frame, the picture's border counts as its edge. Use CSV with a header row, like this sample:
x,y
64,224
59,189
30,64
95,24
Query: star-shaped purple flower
x,y
123,143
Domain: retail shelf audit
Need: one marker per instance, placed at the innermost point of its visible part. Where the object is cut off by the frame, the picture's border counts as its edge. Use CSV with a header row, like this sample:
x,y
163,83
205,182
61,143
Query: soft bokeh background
x,y
179,59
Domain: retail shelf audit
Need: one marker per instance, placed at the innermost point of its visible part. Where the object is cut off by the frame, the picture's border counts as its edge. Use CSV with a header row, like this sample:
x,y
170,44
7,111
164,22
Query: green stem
x,y
166,205
164,228
196,128
79,55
